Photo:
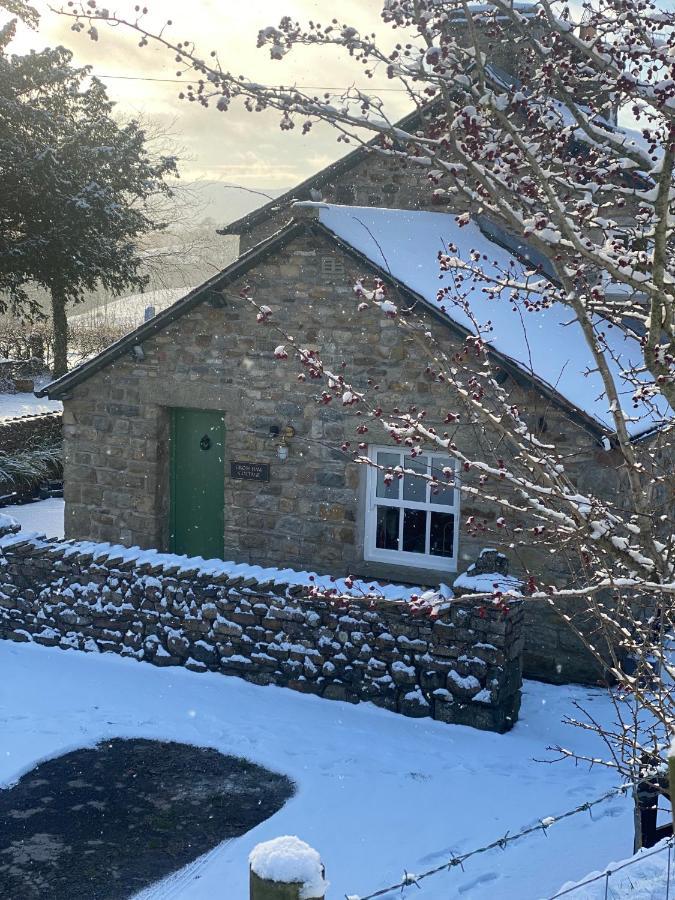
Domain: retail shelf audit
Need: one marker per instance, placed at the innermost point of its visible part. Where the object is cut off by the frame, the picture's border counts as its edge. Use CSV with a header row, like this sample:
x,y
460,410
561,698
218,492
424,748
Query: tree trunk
x,y
60,325
637,821
671,780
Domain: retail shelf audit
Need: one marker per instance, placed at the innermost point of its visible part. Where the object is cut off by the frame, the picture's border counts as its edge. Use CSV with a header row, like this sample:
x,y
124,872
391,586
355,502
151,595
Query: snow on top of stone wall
x,y
8,525
289,860
548,342
245,574
487,582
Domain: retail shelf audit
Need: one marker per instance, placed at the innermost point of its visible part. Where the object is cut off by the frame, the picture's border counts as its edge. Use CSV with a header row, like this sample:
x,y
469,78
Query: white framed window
x,y
409,521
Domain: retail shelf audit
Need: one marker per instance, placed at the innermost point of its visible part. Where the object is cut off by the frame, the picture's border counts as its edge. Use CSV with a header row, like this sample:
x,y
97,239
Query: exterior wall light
x,y
287,432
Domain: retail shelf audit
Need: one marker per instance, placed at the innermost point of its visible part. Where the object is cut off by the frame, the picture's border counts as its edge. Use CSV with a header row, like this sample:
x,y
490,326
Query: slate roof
x,y
546,345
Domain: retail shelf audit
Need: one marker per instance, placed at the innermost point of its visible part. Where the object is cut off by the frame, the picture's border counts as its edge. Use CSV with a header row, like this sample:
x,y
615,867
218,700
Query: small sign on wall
x,y
249,471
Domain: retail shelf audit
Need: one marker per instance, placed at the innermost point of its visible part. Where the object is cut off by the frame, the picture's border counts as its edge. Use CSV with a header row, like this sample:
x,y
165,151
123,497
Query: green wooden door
x,y
197,482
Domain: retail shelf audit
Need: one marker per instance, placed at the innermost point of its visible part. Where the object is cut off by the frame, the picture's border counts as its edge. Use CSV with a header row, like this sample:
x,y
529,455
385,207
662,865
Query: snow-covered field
x,y
130,310
12,405
44,516
377,793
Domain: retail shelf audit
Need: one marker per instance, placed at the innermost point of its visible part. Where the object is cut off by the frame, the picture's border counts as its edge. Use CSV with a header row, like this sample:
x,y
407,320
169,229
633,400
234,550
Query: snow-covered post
x,y
286,868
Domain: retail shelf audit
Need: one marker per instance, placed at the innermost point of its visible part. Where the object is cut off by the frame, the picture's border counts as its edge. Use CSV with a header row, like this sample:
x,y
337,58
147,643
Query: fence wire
x,y
410,880
542,826
607,874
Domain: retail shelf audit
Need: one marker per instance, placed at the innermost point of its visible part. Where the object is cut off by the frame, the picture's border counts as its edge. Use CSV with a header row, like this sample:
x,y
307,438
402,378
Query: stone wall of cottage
x,y
310,514
461,665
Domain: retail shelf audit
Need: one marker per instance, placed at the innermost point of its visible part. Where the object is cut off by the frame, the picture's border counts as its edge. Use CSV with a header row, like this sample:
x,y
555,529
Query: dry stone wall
x,y
460,664
30,431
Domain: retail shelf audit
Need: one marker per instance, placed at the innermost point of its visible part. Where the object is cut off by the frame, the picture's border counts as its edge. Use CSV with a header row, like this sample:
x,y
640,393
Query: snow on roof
x,y
524,7
548,343
632,138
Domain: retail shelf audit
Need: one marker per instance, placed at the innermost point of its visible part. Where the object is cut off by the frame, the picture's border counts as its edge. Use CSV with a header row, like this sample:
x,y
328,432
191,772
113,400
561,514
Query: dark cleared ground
x,y
103,823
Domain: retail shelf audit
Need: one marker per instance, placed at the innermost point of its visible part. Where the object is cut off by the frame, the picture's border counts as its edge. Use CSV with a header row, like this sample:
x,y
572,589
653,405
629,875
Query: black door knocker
x,y
205,442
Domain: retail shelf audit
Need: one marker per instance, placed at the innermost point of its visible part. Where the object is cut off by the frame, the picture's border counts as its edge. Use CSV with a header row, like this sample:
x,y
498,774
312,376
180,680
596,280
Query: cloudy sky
x,y
234,147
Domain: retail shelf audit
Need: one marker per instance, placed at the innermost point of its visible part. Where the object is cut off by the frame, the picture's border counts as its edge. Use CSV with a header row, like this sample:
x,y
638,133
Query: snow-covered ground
x,y
377,793
12,405
44,516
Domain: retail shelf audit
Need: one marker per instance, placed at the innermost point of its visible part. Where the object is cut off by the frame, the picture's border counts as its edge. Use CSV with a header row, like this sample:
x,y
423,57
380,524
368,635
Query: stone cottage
x,y
190,435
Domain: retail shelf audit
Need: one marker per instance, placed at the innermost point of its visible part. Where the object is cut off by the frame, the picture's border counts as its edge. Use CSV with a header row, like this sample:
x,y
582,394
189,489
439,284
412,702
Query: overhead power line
x,y
306,87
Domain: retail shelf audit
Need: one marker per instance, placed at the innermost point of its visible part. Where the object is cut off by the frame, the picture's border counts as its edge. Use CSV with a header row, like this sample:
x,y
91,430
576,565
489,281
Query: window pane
x,y
389,492
442,495
387,528
415,488
414,530
442,534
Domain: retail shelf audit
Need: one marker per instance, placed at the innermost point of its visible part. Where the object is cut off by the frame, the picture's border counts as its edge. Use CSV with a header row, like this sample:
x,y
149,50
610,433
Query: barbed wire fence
x,y
413,880
608,873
